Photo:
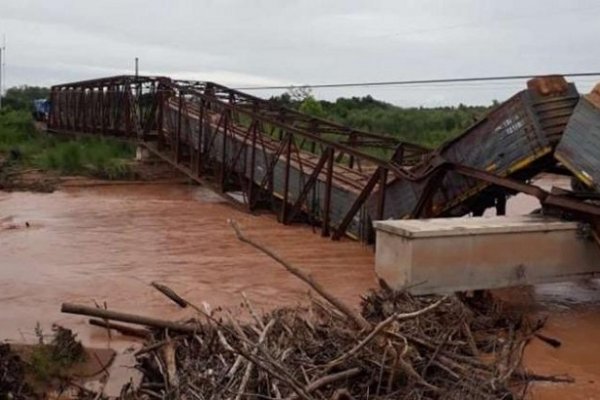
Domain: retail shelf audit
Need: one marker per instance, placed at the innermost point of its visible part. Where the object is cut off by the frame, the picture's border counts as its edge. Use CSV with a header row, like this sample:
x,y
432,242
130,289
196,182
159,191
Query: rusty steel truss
x,y
302,167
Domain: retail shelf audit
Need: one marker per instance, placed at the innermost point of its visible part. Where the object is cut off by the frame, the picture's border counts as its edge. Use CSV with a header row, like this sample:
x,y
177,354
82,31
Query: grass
x,y
98,157
49,361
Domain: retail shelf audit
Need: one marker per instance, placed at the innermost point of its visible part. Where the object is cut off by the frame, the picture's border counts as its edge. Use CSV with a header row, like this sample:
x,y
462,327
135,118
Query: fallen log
x,y
123,329
125,317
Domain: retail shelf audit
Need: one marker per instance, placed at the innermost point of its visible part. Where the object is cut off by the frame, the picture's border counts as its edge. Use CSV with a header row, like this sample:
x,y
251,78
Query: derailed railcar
x,y
517,136
579,148
236,152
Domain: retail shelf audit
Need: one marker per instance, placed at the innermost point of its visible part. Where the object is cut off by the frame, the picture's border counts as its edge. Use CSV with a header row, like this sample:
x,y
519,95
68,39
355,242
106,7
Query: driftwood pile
x,y
397,347
416,348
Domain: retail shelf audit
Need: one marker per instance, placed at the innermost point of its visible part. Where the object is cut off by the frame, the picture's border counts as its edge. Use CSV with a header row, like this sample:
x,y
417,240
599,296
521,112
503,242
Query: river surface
x,y
104,245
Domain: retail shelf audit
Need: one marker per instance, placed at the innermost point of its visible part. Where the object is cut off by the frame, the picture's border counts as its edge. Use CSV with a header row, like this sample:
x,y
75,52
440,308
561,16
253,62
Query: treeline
x,y
425,126
22,97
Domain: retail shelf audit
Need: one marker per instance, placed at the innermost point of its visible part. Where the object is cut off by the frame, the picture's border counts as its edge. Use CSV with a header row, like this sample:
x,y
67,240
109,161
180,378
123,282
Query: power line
x,y
413,82
490,85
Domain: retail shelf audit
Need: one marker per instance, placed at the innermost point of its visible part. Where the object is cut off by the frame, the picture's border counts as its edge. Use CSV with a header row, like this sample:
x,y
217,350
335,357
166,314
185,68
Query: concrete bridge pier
x,y
460,254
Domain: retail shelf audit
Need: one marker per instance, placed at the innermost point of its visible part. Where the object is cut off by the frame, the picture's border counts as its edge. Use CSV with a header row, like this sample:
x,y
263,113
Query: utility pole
x,y
137,71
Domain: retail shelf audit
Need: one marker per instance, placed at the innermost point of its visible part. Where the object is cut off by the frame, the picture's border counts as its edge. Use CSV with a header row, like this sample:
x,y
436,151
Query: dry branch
x,y
170,293
343,307
250,365
380,327
125,317
326,380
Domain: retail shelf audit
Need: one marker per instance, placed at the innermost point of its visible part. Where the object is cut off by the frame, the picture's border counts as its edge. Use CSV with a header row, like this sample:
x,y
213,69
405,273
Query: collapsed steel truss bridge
x,y
310,169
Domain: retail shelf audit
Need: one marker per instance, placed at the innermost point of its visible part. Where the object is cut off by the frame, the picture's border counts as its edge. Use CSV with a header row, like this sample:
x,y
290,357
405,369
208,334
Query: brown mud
x,y
108,243
16,177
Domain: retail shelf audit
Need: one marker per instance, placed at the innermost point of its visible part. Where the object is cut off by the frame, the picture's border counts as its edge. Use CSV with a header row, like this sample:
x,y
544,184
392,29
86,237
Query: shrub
x,y
101,157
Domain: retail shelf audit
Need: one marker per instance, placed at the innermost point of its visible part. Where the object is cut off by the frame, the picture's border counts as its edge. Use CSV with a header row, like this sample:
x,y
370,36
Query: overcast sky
x,y
274,42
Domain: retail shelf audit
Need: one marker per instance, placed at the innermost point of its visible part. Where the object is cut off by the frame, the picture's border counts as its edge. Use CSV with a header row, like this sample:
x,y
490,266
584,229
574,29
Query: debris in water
x,y
398,346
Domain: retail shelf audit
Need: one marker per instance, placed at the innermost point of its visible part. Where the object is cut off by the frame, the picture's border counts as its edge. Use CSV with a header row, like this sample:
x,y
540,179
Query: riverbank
x,y
33,160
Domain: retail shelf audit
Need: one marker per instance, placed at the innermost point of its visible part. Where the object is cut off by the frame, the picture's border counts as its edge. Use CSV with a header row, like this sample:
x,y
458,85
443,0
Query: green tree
x,y
425,126
311,107
21,97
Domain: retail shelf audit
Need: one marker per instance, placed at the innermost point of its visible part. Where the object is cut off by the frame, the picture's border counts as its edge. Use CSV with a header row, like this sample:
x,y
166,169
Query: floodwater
x,y
104,245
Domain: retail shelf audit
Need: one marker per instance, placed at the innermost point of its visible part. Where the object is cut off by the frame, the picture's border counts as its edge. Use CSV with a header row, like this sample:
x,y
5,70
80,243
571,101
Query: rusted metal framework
x,y
306,168
579,148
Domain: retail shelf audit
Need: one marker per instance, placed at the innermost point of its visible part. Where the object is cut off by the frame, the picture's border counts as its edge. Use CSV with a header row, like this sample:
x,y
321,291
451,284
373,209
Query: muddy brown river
x,y
105,244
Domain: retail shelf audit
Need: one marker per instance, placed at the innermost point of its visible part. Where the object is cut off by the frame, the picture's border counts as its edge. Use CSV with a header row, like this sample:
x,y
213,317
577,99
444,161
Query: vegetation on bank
x,y
37,370
22,97
425,126
21,144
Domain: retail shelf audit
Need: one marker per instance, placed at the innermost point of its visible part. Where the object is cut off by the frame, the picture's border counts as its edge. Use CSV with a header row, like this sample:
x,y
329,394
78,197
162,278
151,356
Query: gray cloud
x,y
266,42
